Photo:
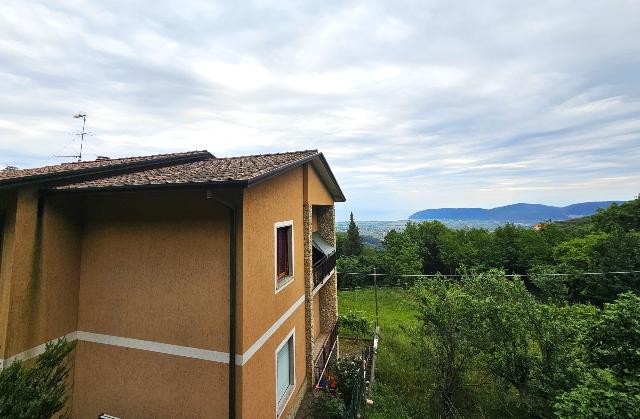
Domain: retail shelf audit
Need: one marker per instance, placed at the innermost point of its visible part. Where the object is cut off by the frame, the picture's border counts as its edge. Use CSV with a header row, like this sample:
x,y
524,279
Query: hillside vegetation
x,y
491,343
531,213
604,243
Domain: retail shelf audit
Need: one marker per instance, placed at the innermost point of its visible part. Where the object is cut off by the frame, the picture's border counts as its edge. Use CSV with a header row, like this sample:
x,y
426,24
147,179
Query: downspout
x,y
232,301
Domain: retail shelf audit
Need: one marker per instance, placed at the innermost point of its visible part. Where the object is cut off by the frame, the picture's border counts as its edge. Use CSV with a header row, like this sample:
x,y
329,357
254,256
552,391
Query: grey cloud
x,y
415,103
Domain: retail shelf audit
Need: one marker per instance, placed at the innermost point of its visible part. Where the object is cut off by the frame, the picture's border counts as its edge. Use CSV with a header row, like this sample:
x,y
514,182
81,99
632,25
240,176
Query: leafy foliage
x,y
608,242
326,406
556,359
355,324
400,257
346,370
38,391
554,342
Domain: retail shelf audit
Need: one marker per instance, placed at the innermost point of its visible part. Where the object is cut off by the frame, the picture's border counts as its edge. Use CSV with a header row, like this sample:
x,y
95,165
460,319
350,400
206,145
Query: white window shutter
x,y
283,371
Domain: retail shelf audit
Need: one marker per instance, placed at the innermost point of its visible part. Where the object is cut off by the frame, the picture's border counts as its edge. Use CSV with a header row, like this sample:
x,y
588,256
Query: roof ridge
x,y
265,154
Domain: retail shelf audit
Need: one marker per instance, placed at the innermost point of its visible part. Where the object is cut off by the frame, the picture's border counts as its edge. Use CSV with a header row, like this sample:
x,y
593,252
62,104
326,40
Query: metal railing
x,y
321,361
323,268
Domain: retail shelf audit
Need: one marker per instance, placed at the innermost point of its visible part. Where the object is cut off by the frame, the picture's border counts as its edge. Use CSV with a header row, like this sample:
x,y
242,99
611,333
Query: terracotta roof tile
x,y
211,170
9,175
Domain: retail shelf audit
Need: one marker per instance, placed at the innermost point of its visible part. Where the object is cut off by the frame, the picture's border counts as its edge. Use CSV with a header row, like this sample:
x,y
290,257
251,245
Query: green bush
x,y
346,370
326,406
356,324
38,391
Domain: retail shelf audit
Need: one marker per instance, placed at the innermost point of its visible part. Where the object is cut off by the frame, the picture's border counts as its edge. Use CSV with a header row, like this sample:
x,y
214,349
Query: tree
x,y
445,337
610,387
340,239
353,244
625,216
472,248
614,339
428,235
400,257
352,271
38,391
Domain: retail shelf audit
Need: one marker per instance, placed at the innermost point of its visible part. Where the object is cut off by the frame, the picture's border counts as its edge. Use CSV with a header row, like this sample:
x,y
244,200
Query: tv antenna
x,y
81,134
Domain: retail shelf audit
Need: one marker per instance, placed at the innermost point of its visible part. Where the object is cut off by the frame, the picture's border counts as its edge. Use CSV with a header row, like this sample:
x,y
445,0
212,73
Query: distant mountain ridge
x,y
521,212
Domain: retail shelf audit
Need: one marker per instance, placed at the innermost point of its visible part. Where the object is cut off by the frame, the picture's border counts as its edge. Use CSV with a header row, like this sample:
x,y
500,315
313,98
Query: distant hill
x,y
517,213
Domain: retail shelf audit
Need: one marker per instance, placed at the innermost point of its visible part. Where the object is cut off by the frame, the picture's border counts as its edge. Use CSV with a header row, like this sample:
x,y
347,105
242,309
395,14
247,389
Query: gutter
x,y
233,286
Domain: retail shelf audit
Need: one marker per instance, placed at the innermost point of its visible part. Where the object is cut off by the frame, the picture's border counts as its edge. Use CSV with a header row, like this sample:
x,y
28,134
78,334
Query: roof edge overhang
x,y
317,160
322,167
72,176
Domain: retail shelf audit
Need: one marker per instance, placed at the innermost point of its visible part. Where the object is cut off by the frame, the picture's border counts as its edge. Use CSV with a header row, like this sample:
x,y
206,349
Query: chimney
x,y
102,158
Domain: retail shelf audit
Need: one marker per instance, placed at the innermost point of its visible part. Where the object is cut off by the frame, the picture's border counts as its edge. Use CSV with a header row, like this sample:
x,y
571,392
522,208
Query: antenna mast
x,y
81,134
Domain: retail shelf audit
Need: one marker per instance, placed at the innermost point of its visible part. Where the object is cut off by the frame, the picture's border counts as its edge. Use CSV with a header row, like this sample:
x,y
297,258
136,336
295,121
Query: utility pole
x,y
375,291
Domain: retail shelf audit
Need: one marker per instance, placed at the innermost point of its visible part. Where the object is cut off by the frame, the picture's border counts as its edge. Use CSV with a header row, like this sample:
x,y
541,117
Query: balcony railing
x,y
323,268
322,359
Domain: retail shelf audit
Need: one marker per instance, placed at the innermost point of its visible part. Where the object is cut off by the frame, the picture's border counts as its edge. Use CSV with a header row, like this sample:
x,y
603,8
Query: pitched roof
x,y
16,177
241,171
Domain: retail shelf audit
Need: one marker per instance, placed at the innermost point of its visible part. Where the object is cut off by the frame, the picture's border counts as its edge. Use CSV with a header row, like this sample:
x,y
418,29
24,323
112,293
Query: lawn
x,y
394,308
396,375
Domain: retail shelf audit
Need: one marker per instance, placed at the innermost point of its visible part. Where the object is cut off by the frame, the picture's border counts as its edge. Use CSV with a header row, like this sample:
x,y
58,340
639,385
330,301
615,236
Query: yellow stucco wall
x,y
155,266
7,207
40,277
276,200
130,383
318,194
258,375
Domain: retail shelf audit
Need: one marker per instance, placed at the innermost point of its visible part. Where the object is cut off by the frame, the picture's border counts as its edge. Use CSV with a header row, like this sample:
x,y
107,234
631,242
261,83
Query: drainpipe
x,y
232,302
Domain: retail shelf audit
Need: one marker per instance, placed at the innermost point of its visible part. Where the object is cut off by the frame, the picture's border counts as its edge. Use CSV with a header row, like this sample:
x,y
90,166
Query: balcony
x,y
322,350
322,269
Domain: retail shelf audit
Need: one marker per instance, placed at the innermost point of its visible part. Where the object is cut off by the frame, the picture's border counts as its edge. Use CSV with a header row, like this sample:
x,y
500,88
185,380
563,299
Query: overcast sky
x,y
416,105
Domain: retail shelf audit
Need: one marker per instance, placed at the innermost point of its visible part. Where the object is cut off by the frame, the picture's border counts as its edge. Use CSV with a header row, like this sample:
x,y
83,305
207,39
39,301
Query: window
x,y
285,372
284,254
283,251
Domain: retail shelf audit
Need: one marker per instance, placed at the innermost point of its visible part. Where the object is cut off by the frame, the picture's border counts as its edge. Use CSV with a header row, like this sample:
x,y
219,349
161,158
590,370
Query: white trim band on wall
x,y
159,347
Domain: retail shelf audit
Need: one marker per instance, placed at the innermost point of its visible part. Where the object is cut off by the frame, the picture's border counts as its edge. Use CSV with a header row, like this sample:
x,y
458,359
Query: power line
x,y
509,275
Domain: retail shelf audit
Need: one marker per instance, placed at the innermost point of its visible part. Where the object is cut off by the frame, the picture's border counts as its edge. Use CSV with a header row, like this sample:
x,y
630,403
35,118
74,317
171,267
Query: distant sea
x,y
378,229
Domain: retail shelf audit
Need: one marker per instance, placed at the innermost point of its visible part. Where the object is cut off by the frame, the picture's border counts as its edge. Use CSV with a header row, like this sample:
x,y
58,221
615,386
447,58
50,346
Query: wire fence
x,y
364,380
358,280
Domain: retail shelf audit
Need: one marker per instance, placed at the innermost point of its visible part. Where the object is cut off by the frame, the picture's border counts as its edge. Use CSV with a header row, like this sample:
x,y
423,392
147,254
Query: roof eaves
x,y
338,195
157,186
265,176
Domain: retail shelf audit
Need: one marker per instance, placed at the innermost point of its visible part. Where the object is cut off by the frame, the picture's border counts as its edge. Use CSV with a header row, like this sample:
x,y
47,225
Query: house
x,y
194,286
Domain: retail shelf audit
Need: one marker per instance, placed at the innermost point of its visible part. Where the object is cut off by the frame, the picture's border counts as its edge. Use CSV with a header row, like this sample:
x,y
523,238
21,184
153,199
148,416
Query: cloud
x,y
416,104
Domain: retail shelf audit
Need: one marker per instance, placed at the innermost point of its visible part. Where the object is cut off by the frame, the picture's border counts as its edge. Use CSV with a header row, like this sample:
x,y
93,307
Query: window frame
x,y
281,404
281,282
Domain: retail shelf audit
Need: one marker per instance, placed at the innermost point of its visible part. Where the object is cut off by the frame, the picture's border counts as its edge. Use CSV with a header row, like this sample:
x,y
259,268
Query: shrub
x,y
356,323
326,406
38,391
346,374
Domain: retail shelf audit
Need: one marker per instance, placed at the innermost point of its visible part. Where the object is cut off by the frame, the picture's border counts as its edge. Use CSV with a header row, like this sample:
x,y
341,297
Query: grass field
x,y
395,373
393,305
